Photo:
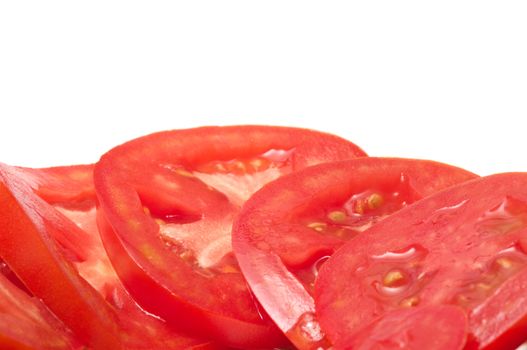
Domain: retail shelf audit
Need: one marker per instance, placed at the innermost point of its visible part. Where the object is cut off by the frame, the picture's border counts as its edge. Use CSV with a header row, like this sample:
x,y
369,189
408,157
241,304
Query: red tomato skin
x,y
260,245
426,224
118,180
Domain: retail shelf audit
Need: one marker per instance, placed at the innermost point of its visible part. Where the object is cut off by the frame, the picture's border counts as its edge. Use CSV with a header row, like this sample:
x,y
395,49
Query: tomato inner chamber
x,y
204,241
396,279
348,219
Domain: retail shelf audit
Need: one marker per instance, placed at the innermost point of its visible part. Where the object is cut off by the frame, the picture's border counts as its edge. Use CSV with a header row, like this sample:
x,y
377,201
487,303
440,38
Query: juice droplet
x,y
444,214
406,254
308,334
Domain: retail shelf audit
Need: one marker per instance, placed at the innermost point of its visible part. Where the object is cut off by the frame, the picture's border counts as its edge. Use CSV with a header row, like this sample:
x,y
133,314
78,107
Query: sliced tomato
x,y
57,252
287,230
464,246
168,201
441,327
25,322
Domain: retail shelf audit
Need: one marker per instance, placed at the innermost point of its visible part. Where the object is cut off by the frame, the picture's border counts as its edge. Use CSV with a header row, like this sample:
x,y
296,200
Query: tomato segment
x,y
25,323
168,201
27,221
432,327
74,238
464,246
287,230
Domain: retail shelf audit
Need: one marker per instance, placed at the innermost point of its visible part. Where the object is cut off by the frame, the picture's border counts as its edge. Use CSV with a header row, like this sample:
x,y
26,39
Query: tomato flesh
x,y
464,246
433,327
175,256
287,231
72,225
25,323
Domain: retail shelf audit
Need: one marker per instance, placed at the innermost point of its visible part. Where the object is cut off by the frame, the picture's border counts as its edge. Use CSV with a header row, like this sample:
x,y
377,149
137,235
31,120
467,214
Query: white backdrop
x,y
443,80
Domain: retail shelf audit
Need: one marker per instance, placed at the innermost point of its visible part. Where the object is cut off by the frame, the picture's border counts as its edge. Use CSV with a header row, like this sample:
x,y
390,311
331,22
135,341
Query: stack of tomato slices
x,y
254,237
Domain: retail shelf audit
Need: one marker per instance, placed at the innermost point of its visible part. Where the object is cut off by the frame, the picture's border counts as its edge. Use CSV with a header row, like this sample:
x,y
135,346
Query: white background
x,y
443,80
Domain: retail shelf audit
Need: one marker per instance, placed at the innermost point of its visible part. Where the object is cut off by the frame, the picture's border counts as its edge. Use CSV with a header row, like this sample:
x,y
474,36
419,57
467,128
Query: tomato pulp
x,y
287,230
51,241
25,323
441,327
167,204
465,246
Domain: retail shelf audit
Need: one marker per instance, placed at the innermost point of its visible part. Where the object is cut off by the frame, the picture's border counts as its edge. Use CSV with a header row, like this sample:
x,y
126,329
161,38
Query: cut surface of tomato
x,y
433,328
168,201
287,230
465,246
89,288
26,323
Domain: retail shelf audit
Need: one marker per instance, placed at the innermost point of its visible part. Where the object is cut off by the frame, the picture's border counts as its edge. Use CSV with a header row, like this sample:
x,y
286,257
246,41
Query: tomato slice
x,y
168,201
464,246
441,327
77,282
287,231
25,323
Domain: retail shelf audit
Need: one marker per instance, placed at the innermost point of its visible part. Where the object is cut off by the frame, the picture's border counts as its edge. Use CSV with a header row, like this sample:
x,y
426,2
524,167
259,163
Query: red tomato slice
x,y
25,323
171,198
432,327
79,257
287,230
464,246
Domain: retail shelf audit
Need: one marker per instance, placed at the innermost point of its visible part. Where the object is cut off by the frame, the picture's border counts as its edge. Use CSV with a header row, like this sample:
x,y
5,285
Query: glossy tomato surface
x,y
26,323
441,327
465,246
67,266
287,230
168,201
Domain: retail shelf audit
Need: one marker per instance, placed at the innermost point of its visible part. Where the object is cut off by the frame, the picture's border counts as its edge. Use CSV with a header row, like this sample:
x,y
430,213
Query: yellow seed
x,y
374,201
337,216
317,226
256,163
239,165
393,278
484,286
186,255
146,210
409,302
220,167
160,222
184,172
150,253
504,262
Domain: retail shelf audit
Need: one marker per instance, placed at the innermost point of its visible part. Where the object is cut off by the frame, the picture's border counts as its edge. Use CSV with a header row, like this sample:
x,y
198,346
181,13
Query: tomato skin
x,y
125,180
271,242
465,245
